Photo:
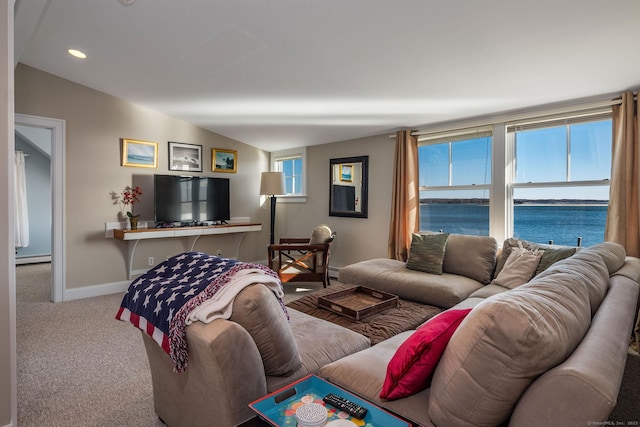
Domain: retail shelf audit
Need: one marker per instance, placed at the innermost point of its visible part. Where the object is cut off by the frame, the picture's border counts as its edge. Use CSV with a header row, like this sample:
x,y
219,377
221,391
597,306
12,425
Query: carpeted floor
x,y
78,366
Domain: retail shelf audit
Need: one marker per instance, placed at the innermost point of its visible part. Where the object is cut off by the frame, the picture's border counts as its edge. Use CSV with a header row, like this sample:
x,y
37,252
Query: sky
x,y
542,155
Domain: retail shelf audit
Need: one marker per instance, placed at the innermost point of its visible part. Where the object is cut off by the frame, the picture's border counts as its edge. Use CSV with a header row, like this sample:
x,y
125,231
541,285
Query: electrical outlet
x,y
151,261
219,252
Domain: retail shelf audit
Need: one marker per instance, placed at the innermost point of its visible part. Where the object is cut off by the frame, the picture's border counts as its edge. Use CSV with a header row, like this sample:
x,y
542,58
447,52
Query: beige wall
x,y
95,122
357,238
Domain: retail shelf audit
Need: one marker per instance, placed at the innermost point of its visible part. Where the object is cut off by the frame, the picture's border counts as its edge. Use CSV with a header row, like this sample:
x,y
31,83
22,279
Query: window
x,y
293,164
546,180
455,180
561,182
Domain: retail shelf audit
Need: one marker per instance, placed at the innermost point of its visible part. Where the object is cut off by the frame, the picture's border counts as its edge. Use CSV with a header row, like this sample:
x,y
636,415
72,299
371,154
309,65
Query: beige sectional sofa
x,y
550,352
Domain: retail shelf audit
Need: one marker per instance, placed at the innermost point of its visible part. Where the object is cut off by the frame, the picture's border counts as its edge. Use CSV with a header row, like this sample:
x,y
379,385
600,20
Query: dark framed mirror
x,y
348,186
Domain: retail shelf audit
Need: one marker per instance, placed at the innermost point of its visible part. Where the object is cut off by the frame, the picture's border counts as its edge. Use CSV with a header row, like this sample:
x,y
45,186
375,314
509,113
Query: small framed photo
x,y
346,173
224,160
185,157
140,154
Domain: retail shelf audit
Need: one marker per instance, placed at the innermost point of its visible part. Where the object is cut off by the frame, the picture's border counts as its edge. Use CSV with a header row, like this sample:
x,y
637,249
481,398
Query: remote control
x,y
345,405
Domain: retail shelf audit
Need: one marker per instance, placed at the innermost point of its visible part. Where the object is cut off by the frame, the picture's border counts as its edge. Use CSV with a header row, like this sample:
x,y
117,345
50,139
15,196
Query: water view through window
x,y
560,184
562,224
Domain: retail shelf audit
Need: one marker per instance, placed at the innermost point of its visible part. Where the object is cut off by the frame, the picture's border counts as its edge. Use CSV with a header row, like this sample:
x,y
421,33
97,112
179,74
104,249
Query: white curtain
x,y
21,216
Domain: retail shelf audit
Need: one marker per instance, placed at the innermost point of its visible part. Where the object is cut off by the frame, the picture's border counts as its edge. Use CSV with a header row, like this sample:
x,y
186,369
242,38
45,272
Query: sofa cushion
x,y
427,252
258,310
488,291
503,345
393,276
590,266
613,255
363,373
411,367
519,268
470,256
320,342
553,255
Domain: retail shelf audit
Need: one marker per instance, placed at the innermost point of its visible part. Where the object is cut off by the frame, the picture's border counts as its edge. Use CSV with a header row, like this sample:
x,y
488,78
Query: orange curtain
x,y
623,218
405,204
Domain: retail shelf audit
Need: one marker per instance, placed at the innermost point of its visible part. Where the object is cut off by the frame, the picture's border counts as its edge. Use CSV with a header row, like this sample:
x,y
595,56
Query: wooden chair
x,y
303,259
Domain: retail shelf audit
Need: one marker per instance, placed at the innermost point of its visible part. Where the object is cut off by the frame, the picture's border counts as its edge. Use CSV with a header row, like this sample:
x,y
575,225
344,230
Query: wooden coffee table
x,y
377,327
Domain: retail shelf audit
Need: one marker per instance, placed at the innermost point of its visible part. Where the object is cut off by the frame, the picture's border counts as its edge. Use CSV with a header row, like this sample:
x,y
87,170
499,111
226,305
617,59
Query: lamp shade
x,y
272,184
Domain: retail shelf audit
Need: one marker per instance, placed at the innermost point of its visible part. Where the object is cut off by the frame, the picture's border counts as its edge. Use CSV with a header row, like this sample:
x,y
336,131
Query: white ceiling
x,y
278,74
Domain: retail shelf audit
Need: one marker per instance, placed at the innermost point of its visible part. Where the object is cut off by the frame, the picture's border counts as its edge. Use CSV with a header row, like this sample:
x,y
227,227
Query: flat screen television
x,y
190,200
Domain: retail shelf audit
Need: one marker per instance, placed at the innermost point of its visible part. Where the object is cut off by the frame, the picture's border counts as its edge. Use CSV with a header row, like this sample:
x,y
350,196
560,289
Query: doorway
x,y
56,128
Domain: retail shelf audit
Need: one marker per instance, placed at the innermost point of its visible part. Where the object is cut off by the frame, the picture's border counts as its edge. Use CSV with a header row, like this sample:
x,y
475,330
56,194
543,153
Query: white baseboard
x,y
121,287
33,259
95,291
334,272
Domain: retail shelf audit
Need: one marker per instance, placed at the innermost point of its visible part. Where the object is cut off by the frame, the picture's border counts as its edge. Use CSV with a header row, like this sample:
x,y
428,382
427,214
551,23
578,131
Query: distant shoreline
x,y
519,202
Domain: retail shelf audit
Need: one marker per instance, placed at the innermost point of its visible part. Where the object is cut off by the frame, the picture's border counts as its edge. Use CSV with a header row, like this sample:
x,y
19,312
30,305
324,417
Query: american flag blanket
x,y
185,288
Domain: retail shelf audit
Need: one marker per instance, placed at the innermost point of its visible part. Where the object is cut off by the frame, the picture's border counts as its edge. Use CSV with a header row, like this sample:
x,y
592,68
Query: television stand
x,y
192,234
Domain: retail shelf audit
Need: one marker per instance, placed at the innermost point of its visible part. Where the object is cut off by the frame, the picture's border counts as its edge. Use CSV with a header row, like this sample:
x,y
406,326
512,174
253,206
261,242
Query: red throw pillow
x,y
411,368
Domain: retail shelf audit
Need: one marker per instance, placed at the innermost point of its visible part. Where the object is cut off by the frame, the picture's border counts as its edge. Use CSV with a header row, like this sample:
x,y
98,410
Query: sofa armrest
x,y
217,384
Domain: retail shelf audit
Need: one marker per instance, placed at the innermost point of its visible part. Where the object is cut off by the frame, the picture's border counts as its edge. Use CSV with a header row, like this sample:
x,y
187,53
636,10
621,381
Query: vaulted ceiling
x,y
286,73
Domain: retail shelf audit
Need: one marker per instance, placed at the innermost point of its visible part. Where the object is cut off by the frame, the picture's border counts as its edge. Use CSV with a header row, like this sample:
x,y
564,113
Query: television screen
x,y
190,199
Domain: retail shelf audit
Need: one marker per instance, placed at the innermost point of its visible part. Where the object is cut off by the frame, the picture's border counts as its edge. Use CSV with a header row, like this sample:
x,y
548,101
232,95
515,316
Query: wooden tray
x,y
358,302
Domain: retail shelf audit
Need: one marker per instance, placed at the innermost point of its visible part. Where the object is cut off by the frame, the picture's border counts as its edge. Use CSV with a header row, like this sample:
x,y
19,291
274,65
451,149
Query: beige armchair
x,y
303,259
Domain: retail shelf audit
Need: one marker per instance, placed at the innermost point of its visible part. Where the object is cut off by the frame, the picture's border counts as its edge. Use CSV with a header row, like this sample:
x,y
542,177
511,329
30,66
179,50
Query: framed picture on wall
x,y
224,160
346,173
140,154
185,157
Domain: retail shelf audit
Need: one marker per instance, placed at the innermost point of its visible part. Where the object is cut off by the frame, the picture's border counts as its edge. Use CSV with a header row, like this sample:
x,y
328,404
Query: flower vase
x,y
134,223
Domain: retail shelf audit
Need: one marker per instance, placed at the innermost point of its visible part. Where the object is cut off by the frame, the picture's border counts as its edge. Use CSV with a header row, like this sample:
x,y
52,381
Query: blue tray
x,y
279,408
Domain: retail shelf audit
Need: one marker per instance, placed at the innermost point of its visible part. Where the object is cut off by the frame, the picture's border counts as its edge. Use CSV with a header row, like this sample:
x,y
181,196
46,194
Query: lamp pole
x,y
273,218
272,184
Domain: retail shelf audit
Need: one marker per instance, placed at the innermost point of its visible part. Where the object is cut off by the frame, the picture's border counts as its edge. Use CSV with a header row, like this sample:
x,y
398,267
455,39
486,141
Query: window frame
x,y
501,189
459,135
510,141
276,157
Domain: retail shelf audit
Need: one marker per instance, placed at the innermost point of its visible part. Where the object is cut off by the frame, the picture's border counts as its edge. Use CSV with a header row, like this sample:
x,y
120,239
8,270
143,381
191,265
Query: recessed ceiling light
x,y
126,2
77,53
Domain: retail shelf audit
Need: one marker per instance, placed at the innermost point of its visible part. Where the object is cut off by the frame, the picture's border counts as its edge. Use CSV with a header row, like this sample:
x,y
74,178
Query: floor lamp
x,y
272,184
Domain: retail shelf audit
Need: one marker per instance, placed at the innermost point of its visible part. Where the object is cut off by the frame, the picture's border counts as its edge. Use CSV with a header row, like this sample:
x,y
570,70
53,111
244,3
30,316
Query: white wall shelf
x,y
192,234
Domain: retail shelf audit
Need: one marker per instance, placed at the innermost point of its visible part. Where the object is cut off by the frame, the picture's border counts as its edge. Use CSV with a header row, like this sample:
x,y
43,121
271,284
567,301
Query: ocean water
x,y
563,224
140,159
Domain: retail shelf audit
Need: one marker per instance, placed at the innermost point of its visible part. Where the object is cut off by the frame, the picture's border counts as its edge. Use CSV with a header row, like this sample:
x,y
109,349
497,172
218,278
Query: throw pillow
x,y
519,268
411,368
427,252
470,256
508,245
551,256
321,234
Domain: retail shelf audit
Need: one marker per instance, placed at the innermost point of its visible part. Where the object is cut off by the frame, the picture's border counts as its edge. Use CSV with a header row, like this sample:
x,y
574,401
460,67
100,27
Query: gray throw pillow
x,y
551,256
427,252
